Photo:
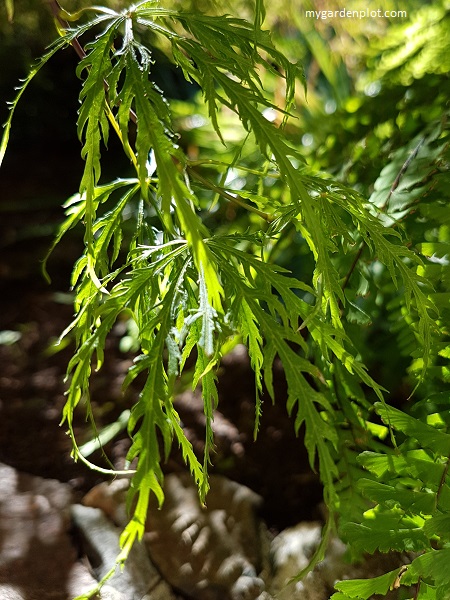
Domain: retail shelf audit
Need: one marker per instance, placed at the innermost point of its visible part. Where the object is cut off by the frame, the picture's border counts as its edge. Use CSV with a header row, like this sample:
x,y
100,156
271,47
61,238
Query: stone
x,y
207,553
36,551
212,552
138,579
111,498
292,550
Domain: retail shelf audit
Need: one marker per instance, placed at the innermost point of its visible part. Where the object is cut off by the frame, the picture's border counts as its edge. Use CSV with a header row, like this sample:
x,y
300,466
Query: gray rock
x,y
138,580
36,551
212,553
8,592
292,550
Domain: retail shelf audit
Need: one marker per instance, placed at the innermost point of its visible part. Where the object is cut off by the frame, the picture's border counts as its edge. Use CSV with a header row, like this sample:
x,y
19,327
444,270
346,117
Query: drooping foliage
x,y
390,138
372,235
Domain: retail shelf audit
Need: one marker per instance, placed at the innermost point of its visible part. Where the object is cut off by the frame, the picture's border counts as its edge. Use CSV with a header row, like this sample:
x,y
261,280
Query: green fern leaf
x,y
417,464
439,525
362,589
431,566
389,532
426,435
410,501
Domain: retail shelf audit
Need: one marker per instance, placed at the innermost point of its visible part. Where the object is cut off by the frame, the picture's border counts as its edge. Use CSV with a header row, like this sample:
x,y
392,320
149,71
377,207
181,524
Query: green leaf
x,y
416,463
362,589
432,567
260,14
205,374
438,524
252,338
208,316
429,592
427,436
409,500
387,532
93,126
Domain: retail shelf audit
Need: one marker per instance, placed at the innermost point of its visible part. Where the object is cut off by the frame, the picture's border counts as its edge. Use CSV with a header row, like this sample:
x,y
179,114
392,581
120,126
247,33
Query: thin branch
x,y
443,478
402,171
416,593
56,11
234,199
394,186
353,266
